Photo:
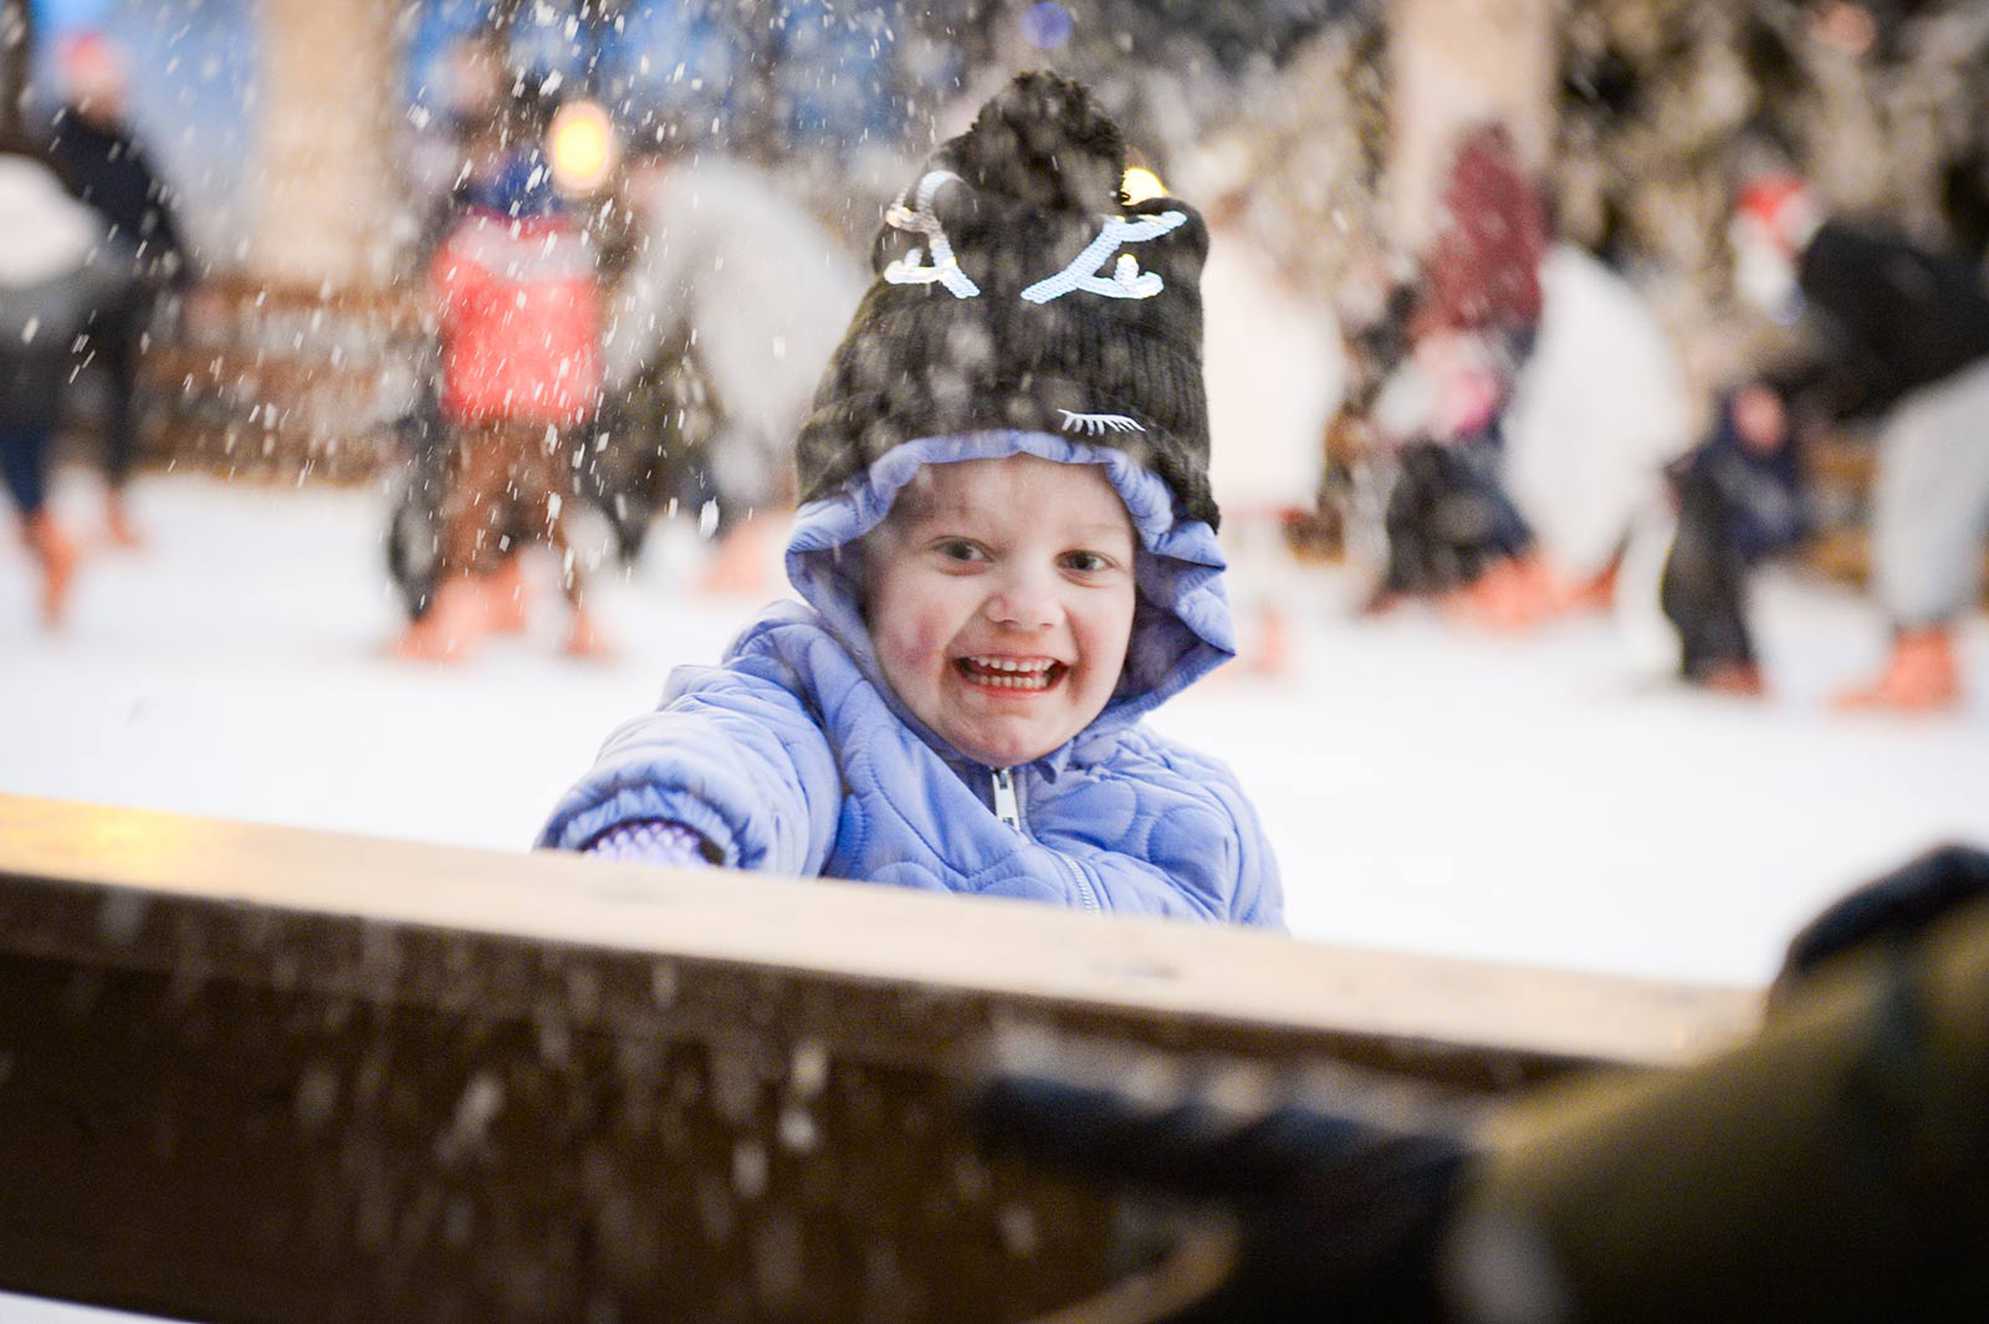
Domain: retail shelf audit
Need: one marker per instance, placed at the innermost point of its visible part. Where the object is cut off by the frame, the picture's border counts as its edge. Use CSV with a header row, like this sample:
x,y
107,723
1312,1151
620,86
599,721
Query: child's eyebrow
x,y
926,510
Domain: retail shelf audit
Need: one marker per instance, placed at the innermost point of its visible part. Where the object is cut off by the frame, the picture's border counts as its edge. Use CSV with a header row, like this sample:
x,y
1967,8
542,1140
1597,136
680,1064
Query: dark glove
x,y
1340,1186
1890,910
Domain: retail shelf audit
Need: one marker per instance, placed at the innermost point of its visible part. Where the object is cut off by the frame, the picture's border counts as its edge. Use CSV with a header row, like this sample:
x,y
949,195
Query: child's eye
x,y
959,549
1087,563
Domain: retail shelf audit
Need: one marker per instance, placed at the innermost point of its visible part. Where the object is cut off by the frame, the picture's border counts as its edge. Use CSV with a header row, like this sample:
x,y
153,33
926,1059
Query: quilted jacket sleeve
x,y
1259,895
1260,888
735,754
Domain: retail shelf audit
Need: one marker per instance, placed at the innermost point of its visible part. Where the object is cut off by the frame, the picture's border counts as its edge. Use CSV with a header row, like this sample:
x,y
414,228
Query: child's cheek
x,y
912,644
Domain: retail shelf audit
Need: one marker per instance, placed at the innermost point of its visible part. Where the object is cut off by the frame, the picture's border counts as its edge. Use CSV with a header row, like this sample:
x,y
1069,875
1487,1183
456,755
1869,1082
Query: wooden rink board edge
x,y
1159,969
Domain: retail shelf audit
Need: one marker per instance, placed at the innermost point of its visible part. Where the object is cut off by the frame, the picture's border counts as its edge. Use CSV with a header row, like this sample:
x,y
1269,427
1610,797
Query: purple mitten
x,y
652,841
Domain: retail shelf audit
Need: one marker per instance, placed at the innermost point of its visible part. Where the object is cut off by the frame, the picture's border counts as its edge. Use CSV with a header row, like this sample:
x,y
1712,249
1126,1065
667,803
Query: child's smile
x,y
1030,675
1000,600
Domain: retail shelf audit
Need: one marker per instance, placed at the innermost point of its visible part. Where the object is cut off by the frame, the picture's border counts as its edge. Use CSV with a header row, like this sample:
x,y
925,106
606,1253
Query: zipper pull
x,y
1006,807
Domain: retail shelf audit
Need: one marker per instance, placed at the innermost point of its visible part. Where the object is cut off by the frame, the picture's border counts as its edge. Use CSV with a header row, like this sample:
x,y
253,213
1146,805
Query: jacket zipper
x,y
1008,808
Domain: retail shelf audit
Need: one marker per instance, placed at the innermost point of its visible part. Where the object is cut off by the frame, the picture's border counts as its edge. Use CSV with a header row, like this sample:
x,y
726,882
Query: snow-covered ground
x,y
1535,800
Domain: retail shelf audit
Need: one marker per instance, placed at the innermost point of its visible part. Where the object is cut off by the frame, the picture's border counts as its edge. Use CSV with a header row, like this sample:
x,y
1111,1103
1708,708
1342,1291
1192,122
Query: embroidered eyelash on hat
x,y
1096,424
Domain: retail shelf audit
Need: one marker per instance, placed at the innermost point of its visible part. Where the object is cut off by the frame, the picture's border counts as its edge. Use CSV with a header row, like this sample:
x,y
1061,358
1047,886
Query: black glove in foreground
x,y
1339,1186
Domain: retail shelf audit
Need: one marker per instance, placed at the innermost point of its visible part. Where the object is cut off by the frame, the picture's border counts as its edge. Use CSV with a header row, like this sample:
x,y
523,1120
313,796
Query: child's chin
x,y
1007,753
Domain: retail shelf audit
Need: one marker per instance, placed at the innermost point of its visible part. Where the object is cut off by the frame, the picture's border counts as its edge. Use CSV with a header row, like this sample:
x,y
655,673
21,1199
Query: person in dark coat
x,y
1900,336
56,264
113,174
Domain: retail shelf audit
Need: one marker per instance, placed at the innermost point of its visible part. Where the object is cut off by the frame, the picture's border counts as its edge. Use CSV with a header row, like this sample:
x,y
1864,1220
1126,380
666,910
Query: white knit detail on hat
x,y
1127,281
1098,424
919,218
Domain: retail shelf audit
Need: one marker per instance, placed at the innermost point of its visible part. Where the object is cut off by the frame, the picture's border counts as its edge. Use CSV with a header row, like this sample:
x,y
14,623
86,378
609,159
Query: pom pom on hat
x,y
1043,141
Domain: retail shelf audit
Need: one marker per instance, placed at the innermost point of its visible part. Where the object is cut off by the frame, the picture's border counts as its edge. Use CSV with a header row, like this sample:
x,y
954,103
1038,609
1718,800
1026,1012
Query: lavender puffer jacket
x,y
795,757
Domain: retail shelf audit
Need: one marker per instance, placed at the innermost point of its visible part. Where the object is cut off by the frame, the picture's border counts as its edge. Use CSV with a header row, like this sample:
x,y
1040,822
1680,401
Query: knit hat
x,y
521,187
1016,289
1780,209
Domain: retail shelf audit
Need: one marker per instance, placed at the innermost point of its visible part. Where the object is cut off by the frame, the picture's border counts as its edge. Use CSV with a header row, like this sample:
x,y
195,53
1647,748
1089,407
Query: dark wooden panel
x,y
219,1109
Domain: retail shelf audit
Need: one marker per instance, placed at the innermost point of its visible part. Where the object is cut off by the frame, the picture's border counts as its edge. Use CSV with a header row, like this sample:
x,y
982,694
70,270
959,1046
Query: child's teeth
x,y
1011,673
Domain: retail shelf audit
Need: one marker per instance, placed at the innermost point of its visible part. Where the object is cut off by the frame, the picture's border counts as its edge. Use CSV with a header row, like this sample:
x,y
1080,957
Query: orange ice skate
x,y
1512,594
585,640
740,563
1742,680
1273,653
1596,593
55,555
1920,677
448,631
117,522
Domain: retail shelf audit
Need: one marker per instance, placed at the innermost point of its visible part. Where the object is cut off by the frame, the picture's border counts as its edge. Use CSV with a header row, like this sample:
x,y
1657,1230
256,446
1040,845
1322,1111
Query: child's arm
x,y
734,756
1260,891
1257,892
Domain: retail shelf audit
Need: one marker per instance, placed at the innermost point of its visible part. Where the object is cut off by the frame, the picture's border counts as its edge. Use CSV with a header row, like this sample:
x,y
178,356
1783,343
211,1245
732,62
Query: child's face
x,y
1000,599
1759,418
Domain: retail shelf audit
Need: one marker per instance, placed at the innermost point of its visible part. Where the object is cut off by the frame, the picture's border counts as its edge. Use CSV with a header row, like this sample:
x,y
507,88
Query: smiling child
x,y
1006,556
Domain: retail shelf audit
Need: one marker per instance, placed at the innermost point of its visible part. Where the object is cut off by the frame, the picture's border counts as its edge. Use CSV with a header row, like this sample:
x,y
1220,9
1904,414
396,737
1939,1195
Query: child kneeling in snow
x,y
1007,554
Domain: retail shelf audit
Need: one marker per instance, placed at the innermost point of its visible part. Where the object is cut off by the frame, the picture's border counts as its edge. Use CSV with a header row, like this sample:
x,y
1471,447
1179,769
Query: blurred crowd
x,y
634,239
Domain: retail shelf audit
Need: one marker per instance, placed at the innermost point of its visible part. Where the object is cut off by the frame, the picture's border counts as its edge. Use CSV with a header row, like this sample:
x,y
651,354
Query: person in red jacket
x,y
518,307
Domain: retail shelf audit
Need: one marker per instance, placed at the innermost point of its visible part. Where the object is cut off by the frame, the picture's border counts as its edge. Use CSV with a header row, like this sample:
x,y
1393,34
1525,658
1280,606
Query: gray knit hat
x,y
1015,289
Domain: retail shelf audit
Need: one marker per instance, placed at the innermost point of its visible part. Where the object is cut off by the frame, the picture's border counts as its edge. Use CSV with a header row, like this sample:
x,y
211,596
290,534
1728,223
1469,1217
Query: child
x,y
1007,553
1740,501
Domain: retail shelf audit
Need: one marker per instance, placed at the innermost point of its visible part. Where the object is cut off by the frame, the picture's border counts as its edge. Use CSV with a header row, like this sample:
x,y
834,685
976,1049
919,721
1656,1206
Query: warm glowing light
x,y
1140,184
582,147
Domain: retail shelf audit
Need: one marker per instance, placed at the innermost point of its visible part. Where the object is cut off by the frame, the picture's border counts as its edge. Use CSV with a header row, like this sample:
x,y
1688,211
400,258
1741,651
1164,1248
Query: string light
x,y
582,147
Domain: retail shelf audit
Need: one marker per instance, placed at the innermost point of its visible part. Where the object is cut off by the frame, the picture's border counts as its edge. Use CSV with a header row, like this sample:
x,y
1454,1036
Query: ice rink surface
x,y
1538,800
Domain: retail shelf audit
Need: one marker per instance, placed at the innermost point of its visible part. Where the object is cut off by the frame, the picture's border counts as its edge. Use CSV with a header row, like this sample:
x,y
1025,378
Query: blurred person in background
x,y
1740,500
1275,373
1453,531
57,265
1900,336
1599,410
518,306
113,174
446,170
732,280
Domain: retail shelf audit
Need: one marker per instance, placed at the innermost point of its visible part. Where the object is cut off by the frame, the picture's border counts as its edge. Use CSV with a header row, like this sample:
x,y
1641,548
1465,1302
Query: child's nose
x,y
1023,602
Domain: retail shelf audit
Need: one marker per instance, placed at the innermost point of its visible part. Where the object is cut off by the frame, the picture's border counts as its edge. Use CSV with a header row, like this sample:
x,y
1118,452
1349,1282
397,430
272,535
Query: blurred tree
x,y
16,51
1664,105
327,186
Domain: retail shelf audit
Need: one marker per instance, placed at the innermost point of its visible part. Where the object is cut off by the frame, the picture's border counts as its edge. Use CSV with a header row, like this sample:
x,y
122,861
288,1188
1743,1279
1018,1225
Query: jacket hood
x,y
1181,623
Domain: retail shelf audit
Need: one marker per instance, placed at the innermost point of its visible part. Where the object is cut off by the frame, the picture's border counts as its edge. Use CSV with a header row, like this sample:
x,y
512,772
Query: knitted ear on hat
x,y
1016,290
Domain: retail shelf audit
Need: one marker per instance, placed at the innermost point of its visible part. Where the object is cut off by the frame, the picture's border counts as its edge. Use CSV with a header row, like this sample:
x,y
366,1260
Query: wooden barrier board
x,y
262,1073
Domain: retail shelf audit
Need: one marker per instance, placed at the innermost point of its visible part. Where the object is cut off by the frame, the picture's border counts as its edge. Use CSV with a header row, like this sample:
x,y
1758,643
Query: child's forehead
x,y
1019,485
